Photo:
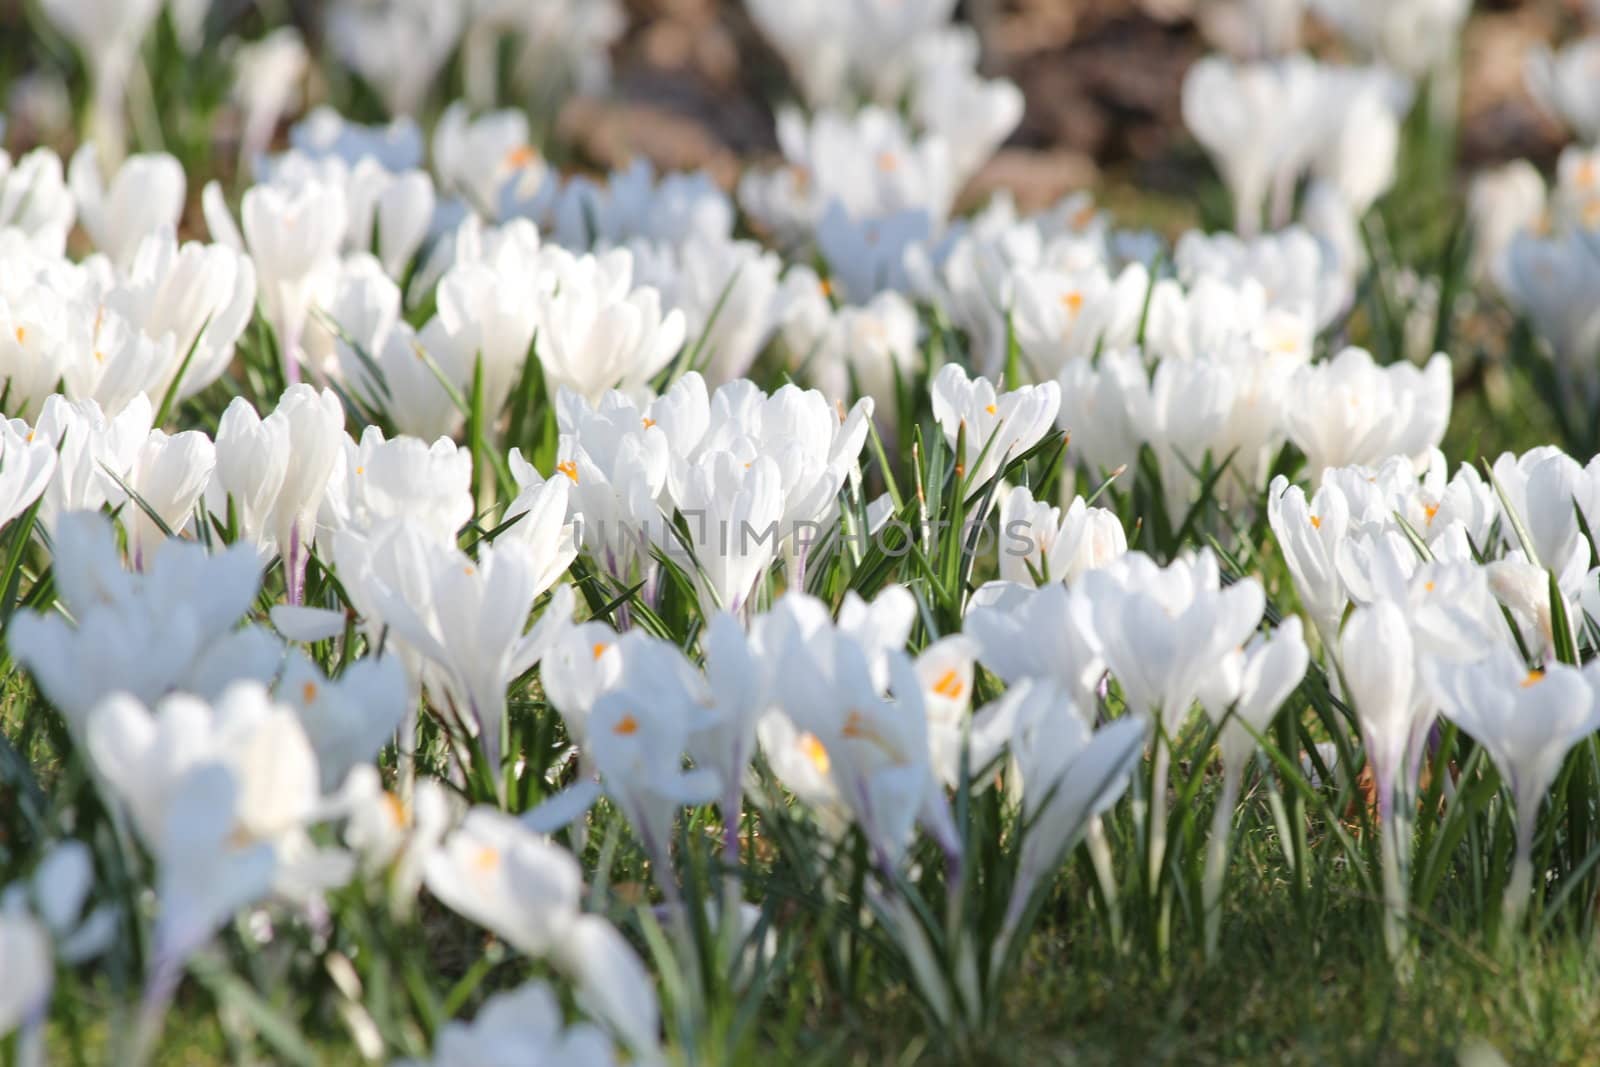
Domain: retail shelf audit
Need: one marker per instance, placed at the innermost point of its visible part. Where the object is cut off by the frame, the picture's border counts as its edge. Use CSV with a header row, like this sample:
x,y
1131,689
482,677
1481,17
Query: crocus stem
x,y
1283,199
158,992
1158,811
106,125
1217,856
289,342
1105,872
1396,847
30,1044
1515,904
730,828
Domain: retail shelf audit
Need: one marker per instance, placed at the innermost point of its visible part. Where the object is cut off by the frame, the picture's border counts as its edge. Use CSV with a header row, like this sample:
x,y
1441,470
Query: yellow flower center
x,y
627,726
599,649
816,752
1534,677
308,693
521,156
396,810
950,685
570,469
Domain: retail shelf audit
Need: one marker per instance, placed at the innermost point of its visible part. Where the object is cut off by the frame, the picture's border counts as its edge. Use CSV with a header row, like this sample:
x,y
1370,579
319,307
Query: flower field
x,y
468,602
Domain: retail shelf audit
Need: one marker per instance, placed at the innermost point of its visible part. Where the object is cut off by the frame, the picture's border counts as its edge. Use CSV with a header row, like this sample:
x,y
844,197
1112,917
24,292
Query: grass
x,y
1275,997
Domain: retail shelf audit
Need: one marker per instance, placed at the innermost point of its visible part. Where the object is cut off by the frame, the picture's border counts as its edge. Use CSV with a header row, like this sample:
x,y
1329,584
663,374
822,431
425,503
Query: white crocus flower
x,y
1298,272
998,427
397,46
30,977
598,332
815,446
35,200
1255,682
485,313
1564,84
1022,633
89,448
722,735
293,236
267,76
1163,633
1575,198
347,719
1502,203
543,531
1527,721
145,196
1415,37
1163,630
109,36
27,464
1550,280
475,157
636,738
277,469
523,1025
732,504
1378,666
1349,410
726,290
396,146
222,795
1061,316
1257,121
472,629
202,295
503,876
1066,772
857,714
1037,539
1309,534
169,474
381,479
497,873
169,628
42,921
868,164
1543,489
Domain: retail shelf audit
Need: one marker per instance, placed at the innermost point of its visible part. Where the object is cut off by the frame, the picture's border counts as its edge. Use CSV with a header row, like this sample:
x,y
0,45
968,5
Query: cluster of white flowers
x,y
293,518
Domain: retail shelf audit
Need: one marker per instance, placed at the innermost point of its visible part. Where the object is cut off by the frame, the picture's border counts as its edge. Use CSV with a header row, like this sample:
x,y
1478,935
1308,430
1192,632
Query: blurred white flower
x,y
168,628
1565,84
267,77
108,36
397,46
523,1025
144,196
35,200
